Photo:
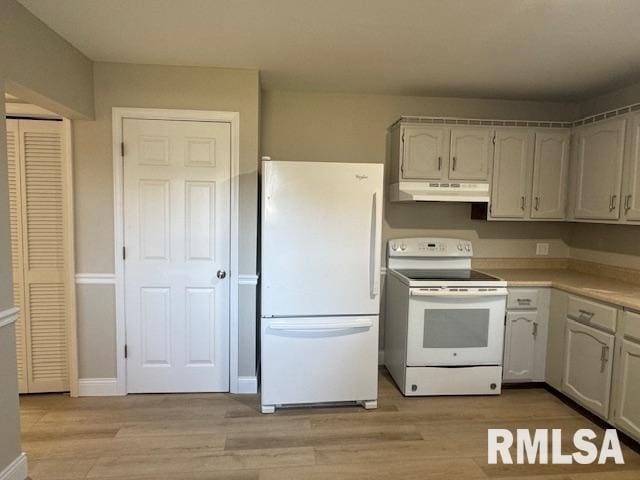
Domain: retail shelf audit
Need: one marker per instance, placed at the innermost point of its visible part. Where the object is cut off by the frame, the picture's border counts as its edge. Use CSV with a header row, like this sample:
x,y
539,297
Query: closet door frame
x,y
70,264
32,111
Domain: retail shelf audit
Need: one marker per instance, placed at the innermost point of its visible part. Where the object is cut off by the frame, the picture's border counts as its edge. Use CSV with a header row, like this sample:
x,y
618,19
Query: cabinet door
x,y
519,345
550,169
470,153
512,159
598,168
627,406
587,367
424,153
631,192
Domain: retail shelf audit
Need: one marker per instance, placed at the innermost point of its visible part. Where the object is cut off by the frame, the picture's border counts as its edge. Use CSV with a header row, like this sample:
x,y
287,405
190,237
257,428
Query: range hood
x,y
439,192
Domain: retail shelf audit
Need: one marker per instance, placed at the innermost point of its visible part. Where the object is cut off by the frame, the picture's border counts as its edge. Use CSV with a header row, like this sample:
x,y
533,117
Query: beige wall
x,y
153,86
96,331
6,281
41,67
352,128
623,239
9,418
611,100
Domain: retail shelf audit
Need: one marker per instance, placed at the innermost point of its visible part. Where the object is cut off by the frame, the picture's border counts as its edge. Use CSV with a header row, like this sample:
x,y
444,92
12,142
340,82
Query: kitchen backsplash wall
x,y
352,128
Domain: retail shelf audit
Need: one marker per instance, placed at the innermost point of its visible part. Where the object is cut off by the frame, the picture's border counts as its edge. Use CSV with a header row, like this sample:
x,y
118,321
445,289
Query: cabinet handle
x,y
612,204
525,301
627,203
455,162
586,315
439,163
604,357
523,202
535,329
537,204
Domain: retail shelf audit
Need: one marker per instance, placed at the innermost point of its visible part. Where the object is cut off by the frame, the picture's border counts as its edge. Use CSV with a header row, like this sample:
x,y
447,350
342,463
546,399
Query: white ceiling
x,y
552,49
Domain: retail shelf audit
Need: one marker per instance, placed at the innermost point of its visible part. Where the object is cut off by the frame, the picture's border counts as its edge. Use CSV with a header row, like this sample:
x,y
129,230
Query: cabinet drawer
x,y
522,299
631,325
592,313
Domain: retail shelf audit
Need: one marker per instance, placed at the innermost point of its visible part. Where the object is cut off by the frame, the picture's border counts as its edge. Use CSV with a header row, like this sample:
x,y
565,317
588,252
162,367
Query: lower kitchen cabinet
x,y
626,413
626,402
586,349
525,340
521,333
588,367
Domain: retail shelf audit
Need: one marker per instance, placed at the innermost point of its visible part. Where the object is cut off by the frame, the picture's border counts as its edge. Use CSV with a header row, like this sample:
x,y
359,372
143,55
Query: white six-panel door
x,y
177,216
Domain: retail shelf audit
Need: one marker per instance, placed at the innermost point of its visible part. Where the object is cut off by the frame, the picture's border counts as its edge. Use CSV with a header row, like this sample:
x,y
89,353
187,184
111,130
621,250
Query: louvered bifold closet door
x,y
45,296
15,220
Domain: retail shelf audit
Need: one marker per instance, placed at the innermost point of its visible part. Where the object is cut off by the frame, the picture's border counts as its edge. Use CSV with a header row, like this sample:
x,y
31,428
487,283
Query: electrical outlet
x,y
542,249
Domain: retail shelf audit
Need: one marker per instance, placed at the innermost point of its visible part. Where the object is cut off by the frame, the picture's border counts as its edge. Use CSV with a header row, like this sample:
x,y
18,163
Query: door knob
x,y
221,274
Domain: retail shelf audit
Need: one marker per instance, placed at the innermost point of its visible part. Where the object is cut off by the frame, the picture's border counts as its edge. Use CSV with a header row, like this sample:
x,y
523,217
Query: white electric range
x,y
444,322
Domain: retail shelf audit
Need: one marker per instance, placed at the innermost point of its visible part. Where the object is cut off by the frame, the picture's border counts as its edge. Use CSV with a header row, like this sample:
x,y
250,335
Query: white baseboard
x,y
98,387
16,470
380,357
247,385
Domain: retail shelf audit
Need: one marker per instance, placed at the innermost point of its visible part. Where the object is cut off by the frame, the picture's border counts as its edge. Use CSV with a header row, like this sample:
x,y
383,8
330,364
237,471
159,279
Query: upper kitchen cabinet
x,y
530,169
631,183
550,170
436,162
597,170
512,160
425,153
470,153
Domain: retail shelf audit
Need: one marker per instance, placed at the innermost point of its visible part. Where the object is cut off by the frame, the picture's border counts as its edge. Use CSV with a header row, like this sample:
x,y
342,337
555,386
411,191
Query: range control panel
x,y
429,247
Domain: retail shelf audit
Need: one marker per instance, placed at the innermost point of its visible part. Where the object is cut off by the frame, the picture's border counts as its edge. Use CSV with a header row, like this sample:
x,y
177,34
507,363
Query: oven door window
x,y
454,331
456,328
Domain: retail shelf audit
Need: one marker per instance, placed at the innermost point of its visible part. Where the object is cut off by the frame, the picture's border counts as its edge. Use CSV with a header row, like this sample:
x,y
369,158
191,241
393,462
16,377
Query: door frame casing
x,y
118,116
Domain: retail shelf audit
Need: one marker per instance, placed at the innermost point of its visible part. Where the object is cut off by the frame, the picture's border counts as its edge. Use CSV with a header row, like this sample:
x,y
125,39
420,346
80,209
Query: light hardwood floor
x,y
221,436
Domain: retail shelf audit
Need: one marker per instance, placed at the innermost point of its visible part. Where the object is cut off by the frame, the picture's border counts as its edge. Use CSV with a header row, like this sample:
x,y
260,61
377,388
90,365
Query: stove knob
x,y
403,247
467,248
394,247
460,247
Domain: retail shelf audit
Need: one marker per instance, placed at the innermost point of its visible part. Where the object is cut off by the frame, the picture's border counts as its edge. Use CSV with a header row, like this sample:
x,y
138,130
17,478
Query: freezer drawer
x,y
319,359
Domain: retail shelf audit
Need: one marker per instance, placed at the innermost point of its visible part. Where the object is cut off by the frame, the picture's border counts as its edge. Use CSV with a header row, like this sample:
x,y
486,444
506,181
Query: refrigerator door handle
x,y
319,327
374,261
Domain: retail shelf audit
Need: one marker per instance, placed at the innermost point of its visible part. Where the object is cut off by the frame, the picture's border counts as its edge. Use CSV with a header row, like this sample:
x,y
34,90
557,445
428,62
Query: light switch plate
x,y
542,249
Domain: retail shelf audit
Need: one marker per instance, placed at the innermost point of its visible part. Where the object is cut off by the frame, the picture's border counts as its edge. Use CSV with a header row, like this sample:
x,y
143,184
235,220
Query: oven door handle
x,y
500,292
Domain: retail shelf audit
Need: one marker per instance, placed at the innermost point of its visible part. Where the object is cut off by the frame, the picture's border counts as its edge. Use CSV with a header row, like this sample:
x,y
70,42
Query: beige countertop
x,y
597,287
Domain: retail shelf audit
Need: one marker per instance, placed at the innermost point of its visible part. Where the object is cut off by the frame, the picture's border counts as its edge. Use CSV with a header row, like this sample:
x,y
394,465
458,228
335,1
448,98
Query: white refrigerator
x,y
320,282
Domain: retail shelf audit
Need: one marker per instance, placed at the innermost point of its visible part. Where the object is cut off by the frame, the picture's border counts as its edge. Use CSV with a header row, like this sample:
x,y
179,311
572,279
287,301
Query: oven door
x,y
456,326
